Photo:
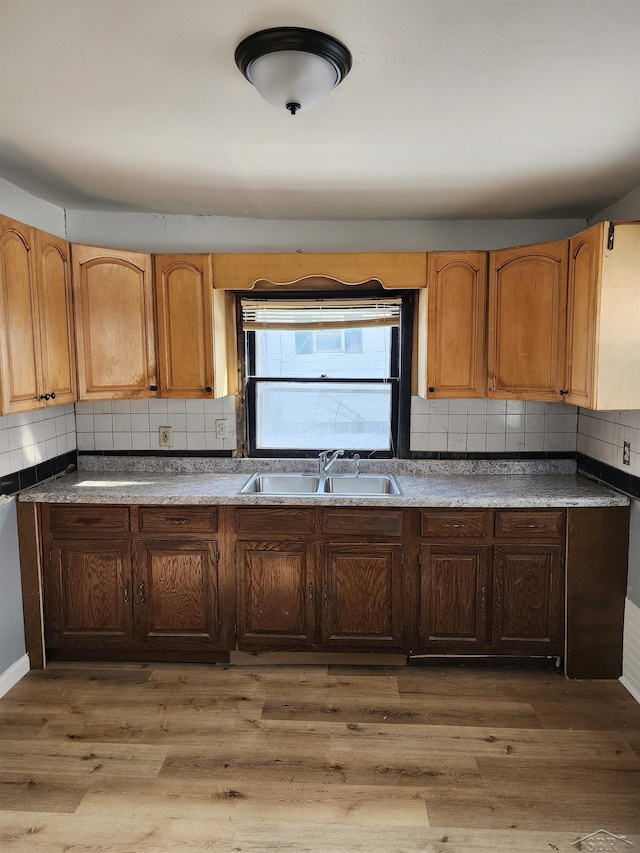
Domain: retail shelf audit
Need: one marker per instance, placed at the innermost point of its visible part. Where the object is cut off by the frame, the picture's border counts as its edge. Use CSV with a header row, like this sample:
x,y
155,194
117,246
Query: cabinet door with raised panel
x,y
56,319
361,596
527,612
20,364
453,598
456,323
176,594
527,322
276,594
89,600
184,297
114,318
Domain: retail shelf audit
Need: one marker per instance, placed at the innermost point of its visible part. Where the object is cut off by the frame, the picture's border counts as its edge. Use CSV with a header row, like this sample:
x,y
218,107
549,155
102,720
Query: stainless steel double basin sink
x,y
351,485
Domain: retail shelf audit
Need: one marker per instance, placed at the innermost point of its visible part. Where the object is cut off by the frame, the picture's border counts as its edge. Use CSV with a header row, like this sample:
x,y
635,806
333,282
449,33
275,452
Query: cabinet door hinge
x,y
402,559
611,236
217,555
419,558
419,632
50,554
235,555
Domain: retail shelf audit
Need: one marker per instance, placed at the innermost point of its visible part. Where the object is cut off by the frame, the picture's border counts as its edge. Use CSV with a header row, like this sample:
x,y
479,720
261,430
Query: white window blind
x,y
310,314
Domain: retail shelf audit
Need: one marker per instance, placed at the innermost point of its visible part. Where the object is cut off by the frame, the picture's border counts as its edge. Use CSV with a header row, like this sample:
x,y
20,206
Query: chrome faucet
x,y
326,460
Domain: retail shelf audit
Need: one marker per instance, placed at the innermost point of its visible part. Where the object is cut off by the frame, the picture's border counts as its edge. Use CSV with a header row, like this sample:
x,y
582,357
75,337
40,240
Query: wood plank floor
x,y
314,759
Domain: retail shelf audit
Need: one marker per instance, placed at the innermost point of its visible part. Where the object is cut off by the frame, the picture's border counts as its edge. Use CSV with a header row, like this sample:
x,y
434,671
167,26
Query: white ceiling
x,y
453,109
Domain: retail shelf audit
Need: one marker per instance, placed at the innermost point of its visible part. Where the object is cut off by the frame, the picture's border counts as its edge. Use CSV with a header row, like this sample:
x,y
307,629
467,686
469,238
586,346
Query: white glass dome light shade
x,y
293,77
293,67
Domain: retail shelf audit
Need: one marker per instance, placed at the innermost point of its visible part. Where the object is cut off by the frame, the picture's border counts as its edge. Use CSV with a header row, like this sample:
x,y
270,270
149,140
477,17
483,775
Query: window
x,y
326,373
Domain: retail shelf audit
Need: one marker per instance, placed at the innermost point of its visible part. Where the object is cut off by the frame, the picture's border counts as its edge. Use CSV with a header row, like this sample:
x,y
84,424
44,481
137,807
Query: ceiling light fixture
x,y
292,67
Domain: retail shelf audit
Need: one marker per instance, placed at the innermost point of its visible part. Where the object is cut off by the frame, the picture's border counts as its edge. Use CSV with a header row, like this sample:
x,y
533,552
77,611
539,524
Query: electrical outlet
x,y
626,453
165,436
222,428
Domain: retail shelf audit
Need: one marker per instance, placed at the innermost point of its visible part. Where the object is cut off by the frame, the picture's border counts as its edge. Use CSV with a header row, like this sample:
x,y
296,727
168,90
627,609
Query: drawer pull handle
x,y
88,520
176,520
528,526
461,524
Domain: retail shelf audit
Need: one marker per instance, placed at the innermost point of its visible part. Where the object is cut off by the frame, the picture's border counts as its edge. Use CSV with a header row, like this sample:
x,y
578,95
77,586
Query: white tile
x,y
196,441
496,443
13,421
178,422
17,460
212,406
5,463
195,423
70,421
121,407
4,441
496,423
534,441
139,407
230,443
514,442
15,438
457,442
419,441
177,406
438,407
52,448
554,441
496,407
438,423
38,415
140,441
477,423
457,424
437,441
477,407
533,408
476,442
31,456
102,407
157,421
25,418
229,405
71,441
570,423
50,429
179,441
104,441
158,407
122,423
533,423
61,444
86,441
418,404
61,425
84,408
139,423
553,422
514,423
457,407
195,407
122,441
516,407
570,441
103,423
419,423
212,442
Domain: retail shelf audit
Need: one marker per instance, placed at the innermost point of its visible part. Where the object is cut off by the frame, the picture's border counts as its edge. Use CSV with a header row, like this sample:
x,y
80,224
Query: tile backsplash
x,y
34,437
492,426
135,424
601,435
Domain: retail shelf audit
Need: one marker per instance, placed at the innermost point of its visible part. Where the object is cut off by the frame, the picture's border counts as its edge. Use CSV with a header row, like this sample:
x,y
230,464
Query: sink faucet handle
x,y
356,459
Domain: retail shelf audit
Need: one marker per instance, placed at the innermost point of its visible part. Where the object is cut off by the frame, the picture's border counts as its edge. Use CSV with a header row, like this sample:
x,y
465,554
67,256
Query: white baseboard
x,y
631,650
10,677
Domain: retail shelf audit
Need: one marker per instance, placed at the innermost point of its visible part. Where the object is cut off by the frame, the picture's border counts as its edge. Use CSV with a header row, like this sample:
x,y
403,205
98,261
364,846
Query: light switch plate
x,y
222,428
626,453
165,436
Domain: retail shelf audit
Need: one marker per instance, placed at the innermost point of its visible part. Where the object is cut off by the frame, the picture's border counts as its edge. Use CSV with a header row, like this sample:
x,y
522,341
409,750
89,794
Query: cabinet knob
x,y
53,395
562,393
432,390
153,387
208,389
45,396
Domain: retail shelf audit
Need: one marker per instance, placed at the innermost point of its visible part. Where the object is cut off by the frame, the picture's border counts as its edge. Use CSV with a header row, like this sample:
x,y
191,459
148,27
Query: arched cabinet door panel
x,y
527,322
114,317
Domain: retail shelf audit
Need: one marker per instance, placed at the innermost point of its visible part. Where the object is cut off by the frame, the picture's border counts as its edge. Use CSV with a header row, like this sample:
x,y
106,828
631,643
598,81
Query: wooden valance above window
x,y
316,314
389,270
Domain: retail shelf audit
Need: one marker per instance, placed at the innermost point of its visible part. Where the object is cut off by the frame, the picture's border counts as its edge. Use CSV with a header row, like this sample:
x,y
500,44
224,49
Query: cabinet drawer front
x,y
177,520
274,522
530,525
351,522
103,519
436,524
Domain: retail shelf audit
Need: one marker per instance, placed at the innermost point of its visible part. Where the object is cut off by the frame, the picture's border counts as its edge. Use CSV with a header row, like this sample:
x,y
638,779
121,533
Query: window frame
x,y
400,380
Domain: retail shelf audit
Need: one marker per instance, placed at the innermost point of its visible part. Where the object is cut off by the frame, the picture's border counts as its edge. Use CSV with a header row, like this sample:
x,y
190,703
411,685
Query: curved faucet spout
x,y
326,460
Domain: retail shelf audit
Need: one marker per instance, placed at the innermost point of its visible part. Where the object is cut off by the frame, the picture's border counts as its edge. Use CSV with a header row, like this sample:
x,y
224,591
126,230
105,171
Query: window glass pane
x,y
308,415
362,354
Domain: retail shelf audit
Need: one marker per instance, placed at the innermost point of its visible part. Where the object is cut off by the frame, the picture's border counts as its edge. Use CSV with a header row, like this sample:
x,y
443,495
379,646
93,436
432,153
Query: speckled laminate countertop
x,y
122,480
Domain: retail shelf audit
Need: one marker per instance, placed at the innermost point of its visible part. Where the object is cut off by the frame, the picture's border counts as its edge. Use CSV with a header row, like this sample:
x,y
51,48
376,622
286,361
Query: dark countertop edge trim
x,y
622,481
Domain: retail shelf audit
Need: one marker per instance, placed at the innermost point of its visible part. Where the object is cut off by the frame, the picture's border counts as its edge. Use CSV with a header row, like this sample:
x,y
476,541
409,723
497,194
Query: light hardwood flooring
x,y
134,758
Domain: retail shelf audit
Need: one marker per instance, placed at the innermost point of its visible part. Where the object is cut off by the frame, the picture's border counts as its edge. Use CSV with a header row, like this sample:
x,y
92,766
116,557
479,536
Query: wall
x,y
25,440
149,232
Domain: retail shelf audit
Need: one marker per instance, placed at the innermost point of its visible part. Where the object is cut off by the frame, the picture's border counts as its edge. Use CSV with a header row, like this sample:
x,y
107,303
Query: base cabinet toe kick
x,y
195,583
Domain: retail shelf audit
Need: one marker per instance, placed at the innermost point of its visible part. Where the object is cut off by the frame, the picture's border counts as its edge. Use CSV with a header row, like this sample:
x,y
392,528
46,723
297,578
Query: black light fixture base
x,y
293,38
293,108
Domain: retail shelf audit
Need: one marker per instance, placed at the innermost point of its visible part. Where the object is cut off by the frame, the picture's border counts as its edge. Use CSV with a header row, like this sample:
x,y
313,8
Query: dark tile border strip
x,y
11,484
161,454
543,454
620,480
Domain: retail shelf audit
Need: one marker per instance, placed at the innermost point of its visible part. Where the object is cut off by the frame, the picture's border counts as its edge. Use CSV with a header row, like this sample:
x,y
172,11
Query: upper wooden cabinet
x,y
452,317
603,317
527,322
393,270
114,320
192,328
56,318
36,345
